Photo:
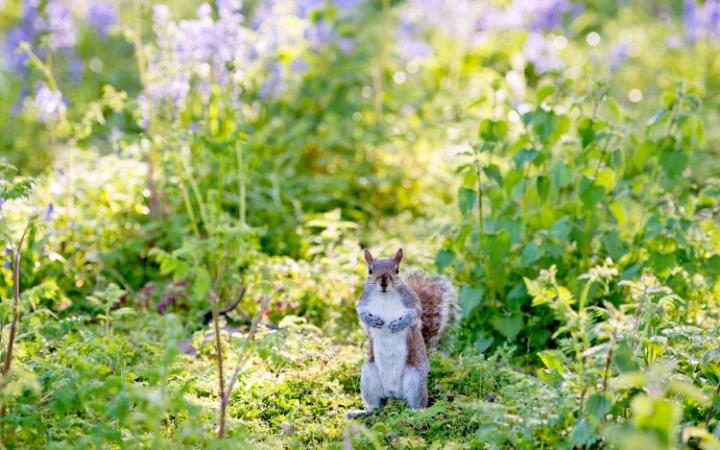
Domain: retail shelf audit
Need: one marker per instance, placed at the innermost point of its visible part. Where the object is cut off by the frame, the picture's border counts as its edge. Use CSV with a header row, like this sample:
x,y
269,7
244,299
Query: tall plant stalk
x,y
7,363
225,392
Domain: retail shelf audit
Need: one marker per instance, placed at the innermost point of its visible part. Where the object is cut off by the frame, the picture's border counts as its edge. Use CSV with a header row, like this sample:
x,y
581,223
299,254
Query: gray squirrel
x,y
404,317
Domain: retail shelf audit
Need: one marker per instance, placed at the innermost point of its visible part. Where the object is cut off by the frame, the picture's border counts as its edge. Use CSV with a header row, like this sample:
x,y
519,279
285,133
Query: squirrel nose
x,y
383,281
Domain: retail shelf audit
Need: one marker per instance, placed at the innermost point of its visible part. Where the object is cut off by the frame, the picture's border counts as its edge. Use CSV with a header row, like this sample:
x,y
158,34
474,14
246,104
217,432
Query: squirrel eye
x,y
370,270
397,270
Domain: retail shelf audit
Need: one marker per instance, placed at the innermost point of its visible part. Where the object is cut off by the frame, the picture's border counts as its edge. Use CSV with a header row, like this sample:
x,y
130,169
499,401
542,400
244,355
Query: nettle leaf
x,y
492,171
201,285
544,92
493,130
598,405
543,186
586,129
531,253
642,153
583,434
470,297
613,245
524,156
590,193
673,161
498,246
467,198
443,259
509,326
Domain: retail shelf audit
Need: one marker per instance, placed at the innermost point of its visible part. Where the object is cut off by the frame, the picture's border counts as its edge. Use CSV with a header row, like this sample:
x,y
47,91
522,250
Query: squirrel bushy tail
x,y
439,304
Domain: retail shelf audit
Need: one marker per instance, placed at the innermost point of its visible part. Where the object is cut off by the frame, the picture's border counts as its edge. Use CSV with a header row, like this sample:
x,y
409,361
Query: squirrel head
x,y
384,273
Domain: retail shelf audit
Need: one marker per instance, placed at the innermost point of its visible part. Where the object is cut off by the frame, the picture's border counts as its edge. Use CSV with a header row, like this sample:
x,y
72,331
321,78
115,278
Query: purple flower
x,y
306,7
102,16
701,22
299,65
49,213
48,102
619,53
60,25
275,84
541,54
319,35
7,264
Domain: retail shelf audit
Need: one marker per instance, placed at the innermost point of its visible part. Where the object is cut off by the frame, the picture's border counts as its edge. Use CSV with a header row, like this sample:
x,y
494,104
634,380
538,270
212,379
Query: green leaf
x,y
498,246
524,156
470,297
492,130
598,405
443,259
642,153
509,326
583,435
492,171
467,198
673,162
543,186
544,92
202,283
531,253
590,193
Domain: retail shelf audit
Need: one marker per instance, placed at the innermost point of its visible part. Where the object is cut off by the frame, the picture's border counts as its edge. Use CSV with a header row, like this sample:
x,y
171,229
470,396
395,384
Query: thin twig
x,y
218,346
609,359
16,308
225,398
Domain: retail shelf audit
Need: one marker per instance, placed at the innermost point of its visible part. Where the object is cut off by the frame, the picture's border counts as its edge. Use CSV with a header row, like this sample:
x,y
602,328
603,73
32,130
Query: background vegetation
x,y
186,190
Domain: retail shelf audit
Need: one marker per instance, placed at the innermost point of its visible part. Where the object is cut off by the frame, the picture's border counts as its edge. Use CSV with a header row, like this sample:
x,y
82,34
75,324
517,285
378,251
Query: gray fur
x,y
404,321
370,320
413,388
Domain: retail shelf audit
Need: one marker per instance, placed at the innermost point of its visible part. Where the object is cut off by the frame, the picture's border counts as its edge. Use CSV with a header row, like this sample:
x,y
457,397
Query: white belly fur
x,y
390,349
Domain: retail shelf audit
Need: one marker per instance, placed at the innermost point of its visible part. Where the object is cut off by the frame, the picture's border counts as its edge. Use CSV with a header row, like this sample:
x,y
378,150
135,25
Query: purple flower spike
x,y
102,16
49,103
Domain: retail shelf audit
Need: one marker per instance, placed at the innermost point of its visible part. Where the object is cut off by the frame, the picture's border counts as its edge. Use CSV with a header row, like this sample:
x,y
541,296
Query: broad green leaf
x,y
598,405
508,325
201,285
467,199
443,259
470,297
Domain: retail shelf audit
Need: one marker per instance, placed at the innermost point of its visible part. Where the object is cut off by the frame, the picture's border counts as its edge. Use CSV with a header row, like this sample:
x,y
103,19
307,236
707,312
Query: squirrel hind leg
x,y
414,387
371,387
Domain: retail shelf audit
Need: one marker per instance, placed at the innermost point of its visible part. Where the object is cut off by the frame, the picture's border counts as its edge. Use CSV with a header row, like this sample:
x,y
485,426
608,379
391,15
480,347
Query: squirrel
x,y
404,318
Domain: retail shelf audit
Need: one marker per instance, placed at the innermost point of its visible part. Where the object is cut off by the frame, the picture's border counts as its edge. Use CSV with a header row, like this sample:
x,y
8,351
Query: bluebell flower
x,y
49,213
102,16
539,52
48,102
299,65
619,53
701,22
60,25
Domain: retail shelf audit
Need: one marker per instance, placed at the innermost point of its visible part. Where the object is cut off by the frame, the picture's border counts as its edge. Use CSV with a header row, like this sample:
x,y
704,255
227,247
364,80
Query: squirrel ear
x,y
368,257
398,256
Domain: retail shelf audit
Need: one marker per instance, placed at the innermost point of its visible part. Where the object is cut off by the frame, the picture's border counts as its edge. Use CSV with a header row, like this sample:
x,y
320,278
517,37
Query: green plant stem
x,y
708,416
478,171
198,198
242,174
608,360
189,208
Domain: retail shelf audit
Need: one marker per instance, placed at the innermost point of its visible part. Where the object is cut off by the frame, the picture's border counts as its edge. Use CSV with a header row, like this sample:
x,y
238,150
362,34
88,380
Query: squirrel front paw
x,y
398,324
371,320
